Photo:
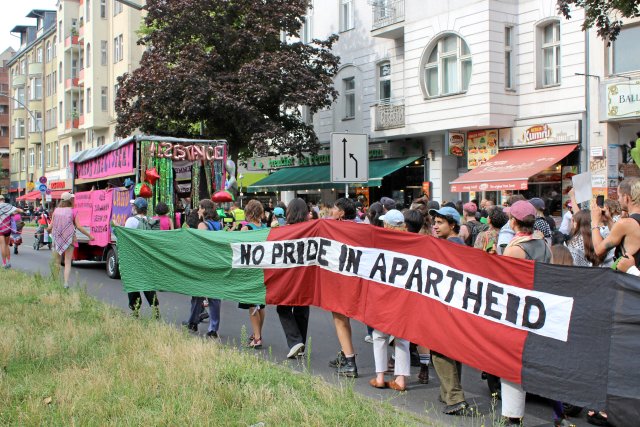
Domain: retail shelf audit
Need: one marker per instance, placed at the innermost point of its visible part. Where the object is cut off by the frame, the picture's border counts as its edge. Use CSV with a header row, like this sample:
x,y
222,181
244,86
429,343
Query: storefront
x,y
536,160
395,170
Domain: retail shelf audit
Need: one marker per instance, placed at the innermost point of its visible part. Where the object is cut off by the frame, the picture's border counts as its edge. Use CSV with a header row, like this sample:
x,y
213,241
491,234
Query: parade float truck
x,y
178,172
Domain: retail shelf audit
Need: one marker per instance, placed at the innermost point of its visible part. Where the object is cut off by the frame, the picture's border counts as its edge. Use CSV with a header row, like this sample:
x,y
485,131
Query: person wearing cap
x,y
63,229
471,227
506,233
278,217
541,223
139,210
387,204
447,226
525,245
6,211
392,220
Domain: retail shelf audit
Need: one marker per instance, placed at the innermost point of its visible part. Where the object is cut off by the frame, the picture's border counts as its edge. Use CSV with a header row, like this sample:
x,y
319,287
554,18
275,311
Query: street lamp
x,y
33,117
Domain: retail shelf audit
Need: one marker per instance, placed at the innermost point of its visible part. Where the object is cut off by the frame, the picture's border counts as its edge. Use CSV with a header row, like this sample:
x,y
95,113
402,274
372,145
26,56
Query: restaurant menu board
x,y
482,145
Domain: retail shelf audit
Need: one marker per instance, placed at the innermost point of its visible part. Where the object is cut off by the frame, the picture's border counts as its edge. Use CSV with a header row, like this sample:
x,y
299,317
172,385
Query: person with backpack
x,y
210,221
140,221
471,226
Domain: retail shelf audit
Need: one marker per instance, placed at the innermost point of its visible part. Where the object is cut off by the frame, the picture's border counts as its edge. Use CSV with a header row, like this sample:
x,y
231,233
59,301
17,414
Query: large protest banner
x,y
567,333
101,203
82,208
116,162
121,209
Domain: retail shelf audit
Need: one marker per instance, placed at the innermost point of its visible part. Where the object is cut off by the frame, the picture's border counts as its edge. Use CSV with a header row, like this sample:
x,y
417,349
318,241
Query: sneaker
x,y
66,286
460,408
369,339
203,316
213,335
423,376
193,327
295,350
349,369
338,361
7,266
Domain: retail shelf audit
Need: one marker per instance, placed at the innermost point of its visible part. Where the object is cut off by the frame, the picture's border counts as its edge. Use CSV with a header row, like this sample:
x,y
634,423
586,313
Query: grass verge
x,y
67,359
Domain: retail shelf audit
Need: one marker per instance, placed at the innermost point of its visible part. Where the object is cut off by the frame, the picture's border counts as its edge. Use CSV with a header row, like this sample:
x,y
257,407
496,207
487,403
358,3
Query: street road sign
x,y
42,187
349,157
48,198
43,180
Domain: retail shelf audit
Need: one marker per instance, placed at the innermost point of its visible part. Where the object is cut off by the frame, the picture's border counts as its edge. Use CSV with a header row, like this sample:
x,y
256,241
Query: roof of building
x,y
39,13
21,28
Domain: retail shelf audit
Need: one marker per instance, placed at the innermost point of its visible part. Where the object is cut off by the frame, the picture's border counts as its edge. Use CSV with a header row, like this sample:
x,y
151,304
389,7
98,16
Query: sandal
x,y
597,418
394,385
256,343
374,383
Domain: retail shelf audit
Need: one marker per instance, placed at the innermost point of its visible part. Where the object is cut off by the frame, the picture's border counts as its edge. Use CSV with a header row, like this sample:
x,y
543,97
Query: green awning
x,y
318,177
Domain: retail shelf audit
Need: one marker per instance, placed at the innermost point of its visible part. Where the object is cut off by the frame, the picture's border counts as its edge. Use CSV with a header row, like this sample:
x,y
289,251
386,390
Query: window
x,y
54,86
117,7
38,57
78,146
19,128
56,153
100,141
508,58
384,82
104,98
19,102
60,25
88,12
35,126
115,91
23,160
103,8
346,15
88,100
32,157
306,32
60,112
625,50
60,73
549,72
35,86
103,52
448,67
48,54
38,156
53,47
65,154
23,66
54,114
48,154
349,85
88,56
117,49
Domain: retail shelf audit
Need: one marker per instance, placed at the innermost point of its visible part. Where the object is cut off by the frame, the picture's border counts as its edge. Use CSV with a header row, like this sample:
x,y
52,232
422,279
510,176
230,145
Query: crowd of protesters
x,y
606,235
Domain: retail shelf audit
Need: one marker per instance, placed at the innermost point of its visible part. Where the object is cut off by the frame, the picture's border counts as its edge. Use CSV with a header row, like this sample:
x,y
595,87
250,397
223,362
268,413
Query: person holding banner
x,y
524,245
63,228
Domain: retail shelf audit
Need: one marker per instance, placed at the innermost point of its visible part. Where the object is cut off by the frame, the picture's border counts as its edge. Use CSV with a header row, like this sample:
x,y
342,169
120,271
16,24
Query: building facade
x,y
76,53
5,176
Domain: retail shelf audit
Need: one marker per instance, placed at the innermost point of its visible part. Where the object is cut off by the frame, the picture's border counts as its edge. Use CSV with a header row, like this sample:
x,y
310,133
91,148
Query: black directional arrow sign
x,y
349,158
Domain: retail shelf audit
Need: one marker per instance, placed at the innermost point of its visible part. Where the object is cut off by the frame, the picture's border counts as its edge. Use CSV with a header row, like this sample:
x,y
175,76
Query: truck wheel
x,y
112,264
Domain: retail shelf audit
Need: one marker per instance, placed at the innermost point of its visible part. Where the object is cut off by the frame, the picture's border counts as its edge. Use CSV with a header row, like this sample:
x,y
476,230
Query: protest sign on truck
x,y
107,178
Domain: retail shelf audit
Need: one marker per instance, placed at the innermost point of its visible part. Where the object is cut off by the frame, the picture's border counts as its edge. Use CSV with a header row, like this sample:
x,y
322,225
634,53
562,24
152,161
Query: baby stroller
x,y
43,238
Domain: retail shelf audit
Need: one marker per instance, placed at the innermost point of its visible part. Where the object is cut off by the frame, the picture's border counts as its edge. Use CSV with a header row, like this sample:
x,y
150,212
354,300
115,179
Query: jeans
x,y
294,321
214,312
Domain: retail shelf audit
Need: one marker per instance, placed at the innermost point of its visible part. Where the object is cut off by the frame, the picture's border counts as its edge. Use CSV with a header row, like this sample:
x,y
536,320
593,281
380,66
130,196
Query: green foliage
x,y
605,15
224,64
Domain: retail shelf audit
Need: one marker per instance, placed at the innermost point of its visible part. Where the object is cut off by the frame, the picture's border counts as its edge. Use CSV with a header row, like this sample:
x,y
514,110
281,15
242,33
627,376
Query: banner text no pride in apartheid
x,y
563,332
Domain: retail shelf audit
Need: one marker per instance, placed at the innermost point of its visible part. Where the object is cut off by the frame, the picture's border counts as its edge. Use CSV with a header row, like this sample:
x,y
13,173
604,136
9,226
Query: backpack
x,y
145,223
475,228
213,225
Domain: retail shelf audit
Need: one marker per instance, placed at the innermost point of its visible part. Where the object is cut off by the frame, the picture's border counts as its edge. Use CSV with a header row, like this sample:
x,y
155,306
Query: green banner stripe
x,y
190,262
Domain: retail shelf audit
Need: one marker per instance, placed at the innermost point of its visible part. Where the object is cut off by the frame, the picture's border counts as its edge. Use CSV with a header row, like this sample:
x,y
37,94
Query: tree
x,y
606,15
221,67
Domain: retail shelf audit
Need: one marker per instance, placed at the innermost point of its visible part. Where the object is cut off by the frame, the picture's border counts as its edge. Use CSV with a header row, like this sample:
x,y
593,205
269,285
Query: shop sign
x,y
426,188
482,146
30,186
455,144
319,159
540,134
193,152
58,185
623,100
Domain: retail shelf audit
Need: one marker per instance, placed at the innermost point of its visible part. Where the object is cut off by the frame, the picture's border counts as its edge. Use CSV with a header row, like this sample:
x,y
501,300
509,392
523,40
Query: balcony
x,y
72,42
72,83
35,137
72,125
388,18
35,68
389,115
19,80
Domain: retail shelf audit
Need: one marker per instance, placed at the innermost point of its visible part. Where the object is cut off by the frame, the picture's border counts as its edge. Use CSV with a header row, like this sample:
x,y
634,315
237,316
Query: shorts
x,y
248,306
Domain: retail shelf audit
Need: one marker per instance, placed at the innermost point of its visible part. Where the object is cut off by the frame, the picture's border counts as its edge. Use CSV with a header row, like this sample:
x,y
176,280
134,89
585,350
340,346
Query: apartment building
x,y
5,177
443,89
76,53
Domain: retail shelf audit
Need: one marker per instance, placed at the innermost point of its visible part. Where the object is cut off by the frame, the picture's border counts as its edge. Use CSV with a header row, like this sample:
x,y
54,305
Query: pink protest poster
x,y
101,203
116,162
82,208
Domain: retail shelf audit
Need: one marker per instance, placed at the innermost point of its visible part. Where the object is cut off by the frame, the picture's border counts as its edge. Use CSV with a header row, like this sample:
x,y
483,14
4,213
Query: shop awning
x,y
318,177
30,197
511,169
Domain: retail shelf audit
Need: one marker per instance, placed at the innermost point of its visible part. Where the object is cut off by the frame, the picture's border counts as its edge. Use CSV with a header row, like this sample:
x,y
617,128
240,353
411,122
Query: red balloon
x,y
145,191
151,175
222,197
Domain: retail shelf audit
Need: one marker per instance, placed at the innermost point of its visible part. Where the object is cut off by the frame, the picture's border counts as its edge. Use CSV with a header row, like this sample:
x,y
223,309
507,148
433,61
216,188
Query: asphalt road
x,y
421,399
